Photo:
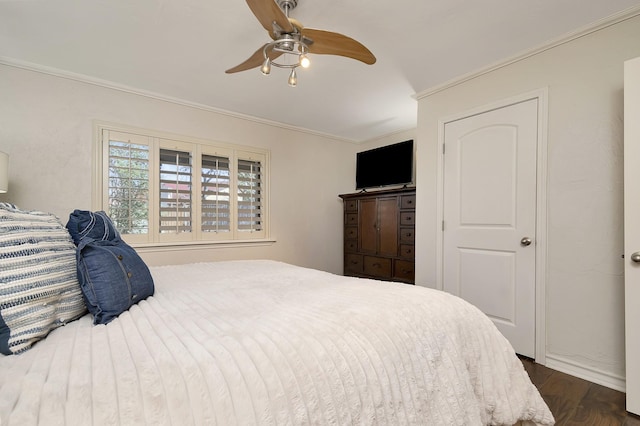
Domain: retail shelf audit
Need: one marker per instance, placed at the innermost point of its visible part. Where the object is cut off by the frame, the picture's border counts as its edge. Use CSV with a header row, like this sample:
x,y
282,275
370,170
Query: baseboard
x,y
594,375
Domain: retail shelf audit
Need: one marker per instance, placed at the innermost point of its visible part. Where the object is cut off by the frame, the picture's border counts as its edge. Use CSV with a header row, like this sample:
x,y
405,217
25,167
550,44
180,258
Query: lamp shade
x,y
4,172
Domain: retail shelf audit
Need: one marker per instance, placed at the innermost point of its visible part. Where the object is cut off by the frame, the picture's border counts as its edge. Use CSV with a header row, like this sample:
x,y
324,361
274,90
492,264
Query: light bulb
x,y
266,67
293,79
304,61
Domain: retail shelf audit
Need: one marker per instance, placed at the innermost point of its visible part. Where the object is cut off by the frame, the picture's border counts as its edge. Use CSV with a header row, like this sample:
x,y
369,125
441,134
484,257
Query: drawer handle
x,y
408,251
377,265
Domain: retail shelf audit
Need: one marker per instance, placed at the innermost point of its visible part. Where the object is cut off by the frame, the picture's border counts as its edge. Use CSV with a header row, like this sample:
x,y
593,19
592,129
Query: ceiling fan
x,y
291,42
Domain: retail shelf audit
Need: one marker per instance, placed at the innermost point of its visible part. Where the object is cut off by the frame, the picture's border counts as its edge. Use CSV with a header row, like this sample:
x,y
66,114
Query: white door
x,y
632,231
490,217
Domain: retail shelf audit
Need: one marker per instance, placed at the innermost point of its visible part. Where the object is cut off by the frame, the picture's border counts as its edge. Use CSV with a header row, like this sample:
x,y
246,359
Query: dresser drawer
x,y
404,271
377,266
407,250
407,235
408,202
351,219
351,205
407,218
352,263
351,246
350,232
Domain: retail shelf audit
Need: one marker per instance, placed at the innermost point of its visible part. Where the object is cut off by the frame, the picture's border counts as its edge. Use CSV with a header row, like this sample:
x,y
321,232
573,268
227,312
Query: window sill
x,y
200,245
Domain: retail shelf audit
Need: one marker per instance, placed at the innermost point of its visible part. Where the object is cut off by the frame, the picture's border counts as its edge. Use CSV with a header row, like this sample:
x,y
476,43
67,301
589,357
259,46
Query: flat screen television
x,y
385,166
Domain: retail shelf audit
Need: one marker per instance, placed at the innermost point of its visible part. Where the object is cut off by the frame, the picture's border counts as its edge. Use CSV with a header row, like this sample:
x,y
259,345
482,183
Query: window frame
x,y
157,140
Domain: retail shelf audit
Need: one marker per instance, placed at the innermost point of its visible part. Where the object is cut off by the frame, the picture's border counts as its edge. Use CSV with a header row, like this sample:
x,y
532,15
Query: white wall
x,y
388,140
46,128
584,279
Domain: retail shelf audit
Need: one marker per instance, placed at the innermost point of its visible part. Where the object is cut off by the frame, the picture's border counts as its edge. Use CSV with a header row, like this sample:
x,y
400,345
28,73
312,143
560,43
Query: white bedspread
x,y
261,342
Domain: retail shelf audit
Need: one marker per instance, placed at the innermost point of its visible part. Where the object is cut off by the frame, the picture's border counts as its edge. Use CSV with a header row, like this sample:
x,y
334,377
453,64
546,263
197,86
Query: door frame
x,y
541,203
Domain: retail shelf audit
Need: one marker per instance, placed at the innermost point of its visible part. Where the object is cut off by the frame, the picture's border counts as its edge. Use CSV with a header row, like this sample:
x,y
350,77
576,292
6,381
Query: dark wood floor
x,y
574,401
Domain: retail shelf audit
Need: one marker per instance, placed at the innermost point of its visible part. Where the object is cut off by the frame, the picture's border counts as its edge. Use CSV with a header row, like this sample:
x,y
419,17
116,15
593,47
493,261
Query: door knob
x,y
636,257
525,241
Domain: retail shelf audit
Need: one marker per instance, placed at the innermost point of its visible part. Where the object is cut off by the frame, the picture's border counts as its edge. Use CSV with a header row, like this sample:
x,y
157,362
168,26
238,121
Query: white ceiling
x,y
180,49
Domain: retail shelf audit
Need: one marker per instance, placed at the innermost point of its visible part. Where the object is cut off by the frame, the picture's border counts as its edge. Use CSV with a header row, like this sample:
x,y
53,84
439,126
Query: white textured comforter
x,y
261,342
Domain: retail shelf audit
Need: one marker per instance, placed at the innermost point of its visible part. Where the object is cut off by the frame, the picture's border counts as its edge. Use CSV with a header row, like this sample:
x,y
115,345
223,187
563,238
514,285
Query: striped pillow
x,y
39,288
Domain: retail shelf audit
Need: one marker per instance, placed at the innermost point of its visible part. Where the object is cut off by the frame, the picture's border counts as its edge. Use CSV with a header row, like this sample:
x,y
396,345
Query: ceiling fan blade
x,y
330,43
254,61
267,11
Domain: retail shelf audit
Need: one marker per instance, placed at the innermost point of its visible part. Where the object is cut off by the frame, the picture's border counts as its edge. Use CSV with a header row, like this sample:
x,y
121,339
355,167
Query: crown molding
x,y
581,32
82,78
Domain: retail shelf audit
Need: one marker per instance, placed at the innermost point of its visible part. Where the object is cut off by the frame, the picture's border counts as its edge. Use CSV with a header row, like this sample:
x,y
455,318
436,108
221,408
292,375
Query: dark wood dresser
x,y
379,234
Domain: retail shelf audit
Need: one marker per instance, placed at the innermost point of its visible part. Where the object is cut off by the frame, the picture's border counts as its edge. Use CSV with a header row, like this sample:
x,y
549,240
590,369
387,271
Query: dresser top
x,y
396,191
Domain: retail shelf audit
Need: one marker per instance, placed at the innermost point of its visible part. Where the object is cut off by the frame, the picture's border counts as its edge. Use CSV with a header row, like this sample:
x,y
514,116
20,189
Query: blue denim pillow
x,y
89,226
112,278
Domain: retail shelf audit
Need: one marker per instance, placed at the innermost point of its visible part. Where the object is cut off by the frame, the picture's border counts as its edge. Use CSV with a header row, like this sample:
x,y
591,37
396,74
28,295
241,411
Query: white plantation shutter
x,y
162,189
249,177
175,191
128,184
216,201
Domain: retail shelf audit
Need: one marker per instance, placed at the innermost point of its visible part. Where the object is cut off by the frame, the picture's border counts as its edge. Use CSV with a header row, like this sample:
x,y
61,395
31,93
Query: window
x,y
175,191
216,202
128,185
161,190
249,195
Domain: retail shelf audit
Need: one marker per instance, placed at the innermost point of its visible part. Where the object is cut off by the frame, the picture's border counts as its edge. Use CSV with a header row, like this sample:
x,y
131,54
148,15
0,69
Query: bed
x,y
267,343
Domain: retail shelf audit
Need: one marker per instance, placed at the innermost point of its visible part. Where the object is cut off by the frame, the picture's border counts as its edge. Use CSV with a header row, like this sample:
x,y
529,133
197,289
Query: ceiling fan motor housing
x,y
286,42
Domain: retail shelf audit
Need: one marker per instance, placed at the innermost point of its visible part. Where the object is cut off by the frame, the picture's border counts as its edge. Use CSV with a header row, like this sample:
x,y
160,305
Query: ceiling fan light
x,y
304,61
293,78
266,67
